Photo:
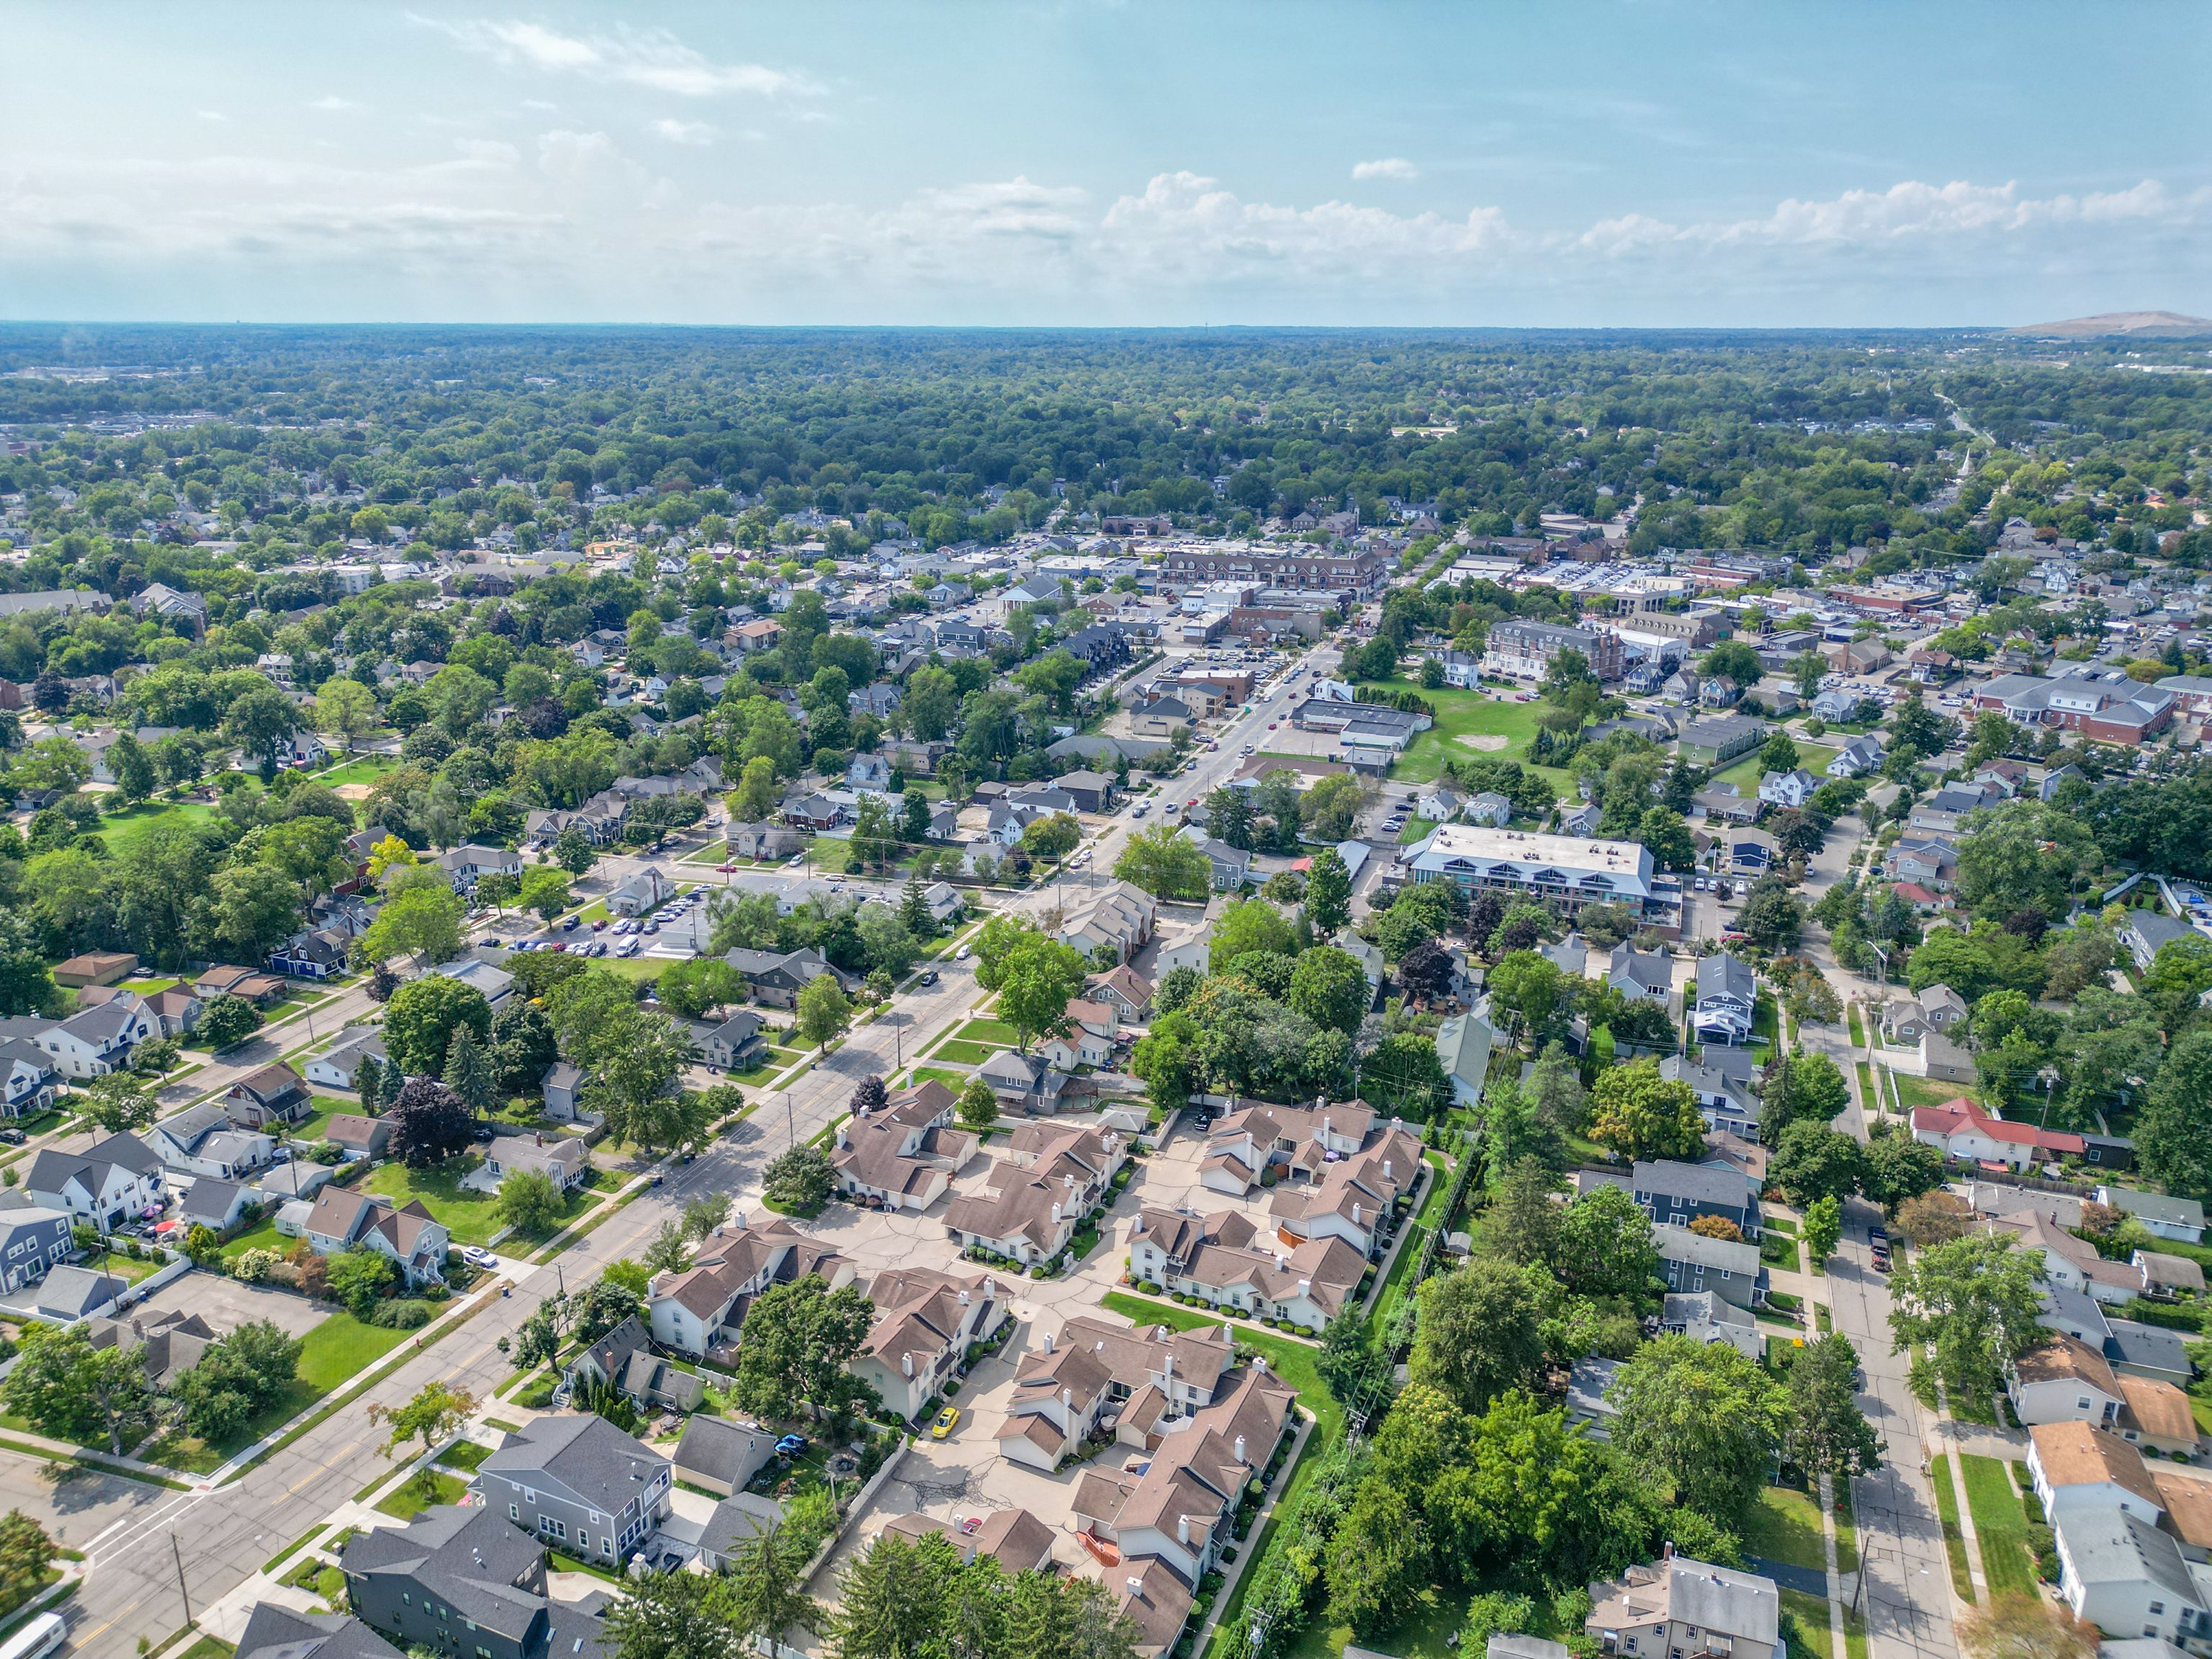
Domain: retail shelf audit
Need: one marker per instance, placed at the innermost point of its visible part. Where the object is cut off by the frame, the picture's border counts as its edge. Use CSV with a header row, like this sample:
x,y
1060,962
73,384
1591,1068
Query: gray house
x,y
563,1085
460,1581
277,1632
723,1454
32,1239
1691,1263
580,1482
1678,1194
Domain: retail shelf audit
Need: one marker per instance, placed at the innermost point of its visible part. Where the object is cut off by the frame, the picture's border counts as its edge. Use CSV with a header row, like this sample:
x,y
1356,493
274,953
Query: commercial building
x,y
1526,650
1567,870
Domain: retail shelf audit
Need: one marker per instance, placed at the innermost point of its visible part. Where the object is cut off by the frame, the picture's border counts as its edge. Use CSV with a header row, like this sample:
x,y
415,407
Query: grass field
x,y
1954,1539
2001,1523
1463,715
1786,1525
951,1079
1926,1092
124,829
1811,1613
333,1354
987,1031
467,1215
967,1053
362,768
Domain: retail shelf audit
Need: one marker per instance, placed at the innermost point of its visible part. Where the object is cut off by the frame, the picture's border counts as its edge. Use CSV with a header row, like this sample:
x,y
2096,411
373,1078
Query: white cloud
x,y
683,132
214,115
653,58
1390,167
332,103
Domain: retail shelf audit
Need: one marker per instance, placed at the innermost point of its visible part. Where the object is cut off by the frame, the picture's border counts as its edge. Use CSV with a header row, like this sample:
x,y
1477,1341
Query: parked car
x,y
945,1422
928,976
569,925
476,1256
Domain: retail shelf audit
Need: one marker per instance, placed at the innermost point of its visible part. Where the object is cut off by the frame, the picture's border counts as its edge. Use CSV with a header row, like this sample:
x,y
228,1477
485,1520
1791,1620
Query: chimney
x,y
1135,1586
1281,1262
1240,1449
1386,1169
1047,1342
1068,1399
906,1365
1182,1529
1355,1213
1225,1335
1055,1211
963,1298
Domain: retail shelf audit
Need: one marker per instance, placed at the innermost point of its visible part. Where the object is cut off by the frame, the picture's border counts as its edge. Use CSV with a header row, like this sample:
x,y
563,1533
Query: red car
x,y
725,869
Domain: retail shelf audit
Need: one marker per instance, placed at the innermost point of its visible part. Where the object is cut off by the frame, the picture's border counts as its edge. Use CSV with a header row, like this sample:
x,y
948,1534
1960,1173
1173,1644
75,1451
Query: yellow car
x,y
943,1422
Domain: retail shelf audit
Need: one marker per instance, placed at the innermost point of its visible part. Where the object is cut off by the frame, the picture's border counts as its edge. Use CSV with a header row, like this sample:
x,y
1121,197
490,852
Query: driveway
x,y
226,1303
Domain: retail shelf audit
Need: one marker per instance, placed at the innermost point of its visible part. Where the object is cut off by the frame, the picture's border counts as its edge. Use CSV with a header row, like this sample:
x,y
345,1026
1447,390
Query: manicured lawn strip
x,y
1812,1616
1847,1530
124,830
413,1496
294,1546
1920,1092
465,1455
1786,1525
989,1030
208,1647
951,1079
1851,1020
2002,1525
1745,774
1955,1539
969,1054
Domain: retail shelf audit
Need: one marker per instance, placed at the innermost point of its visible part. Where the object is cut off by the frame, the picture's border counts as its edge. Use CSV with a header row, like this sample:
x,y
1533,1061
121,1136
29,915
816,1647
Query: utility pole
x,y
178,1556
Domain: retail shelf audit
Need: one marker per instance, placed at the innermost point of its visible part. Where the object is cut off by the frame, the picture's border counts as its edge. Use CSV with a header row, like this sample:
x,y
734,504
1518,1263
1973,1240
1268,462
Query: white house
x,y
116,1181
1792,788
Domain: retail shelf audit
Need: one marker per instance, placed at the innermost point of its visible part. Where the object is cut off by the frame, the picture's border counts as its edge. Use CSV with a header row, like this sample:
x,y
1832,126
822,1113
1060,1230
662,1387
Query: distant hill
x,y
2156,323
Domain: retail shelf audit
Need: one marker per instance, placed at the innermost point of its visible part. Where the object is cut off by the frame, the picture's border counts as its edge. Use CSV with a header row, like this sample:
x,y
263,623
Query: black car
x,y
928,976
482,1133
13,1137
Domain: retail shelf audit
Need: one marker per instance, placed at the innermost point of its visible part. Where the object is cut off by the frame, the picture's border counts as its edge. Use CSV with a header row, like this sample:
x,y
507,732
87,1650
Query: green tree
x,y
469,1072
1329,894
498,888
120,1103
766,1593
1813,1162
433,1415
135,778
545,889
1480,1331
2175,1130
1824,1432
634,1080
1036,984
228,1020
359,1278
421,1017
1824,1226
2025,855
756,794
261,721
1734,660
824,1010
66,1389
1702,1419
978,1107
675,1615
346,709
1329,987
798,1337
1247,925
1525,1220
530,1202
1606,1246
1780,753
1378,1559
420,921
27,1556
1976,1300
690,988
249,909
1898,1169
1164,864
799,1181
1641,1114
1807,1088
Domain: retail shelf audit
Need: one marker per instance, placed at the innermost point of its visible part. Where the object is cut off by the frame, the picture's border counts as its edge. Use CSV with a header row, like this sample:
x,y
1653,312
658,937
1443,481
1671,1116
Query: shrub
x,y
396,1315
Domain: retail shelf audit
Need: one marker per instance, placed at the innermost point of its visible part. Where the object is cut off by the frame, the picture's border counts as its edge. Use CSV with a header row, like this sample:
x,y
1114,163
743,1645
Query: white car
x,y
629,947
960,955
476,1256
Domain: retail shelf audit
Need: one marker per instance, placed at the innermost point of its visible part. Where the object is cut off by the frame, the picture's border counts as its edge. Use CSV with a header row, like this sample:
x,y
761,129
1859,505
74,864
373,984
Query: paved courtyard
x,y
227,1304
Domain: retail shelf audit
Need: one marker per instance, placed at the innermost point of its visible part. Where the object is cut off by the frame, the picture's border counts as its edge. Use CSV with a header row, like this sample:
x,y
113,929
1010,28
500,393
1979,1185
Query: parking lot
x,y
226,1303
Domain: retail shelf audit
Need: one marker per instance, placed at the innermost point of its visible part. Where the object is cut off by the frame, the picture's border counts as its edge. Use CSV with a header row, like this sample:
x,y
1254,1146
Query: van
x,y
36,1640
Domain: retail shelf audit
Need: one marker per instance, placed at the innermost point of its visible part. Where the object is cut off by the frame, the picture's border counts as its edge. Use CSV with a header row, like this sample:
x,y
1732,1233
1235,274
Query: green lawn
x,y
951,1079
1468,714
1811,1613
466,1215
1786,1525
989,1030
1925,1091
362,768
414,1495
262,1235
1955,1539
2001,1523
1746,773
968,1053
1415,829
333,1354
122,830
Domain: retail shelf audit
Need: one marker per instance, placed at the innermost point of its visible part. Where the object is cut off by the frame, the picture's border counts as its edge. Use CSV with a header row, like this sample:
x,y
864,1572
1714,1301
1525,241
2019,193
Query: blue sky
x,y
1555,164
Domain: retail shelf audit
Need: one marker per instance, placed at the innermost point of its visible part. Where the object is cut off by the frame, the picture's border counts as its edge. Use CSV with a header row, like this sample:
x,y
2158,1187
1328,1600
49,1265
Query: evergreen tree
x,y
369,1080
914,827
913,909
389,1083
868,1095
469,1073
1328,893
765,1597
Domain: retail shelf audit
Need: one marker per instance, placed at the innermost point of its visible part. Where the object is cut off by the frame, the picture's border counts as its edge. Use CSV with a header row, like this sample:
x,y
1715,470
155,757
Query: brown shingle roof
x,y
2076,1455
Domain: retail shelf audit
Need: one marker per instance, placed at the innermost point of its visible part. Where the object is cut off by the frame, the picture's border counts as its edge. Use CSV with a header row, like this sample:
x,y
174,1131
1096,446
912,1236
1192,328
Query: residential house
x,y
1793,788
66,1295
1024,1083
735,1045
1677,1194
1727,997
1226,1261
776,978
763,840
1717,740
1726,1102
89,1043
1856,758
562,1088
1355,1198
2064,1380
723,1454
2180,1219
1938,1008
924,1324
1296,1142
1120,917
579,1482
562,1159
648,889
1644,976
1677,1606
1490,809
277,1632
117,1179
466,865
413,1239
2115,1568
201,1141
1029,1214
462,1583
28,1082
338,1067
1230,865
903,1156
358,1137
1014,1538
273,1093
623,1360
1464,1044
1691,1263
697,1310
1147,1378
95,967
1124,990
227,981
1963,1128
35,1238
1093,792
